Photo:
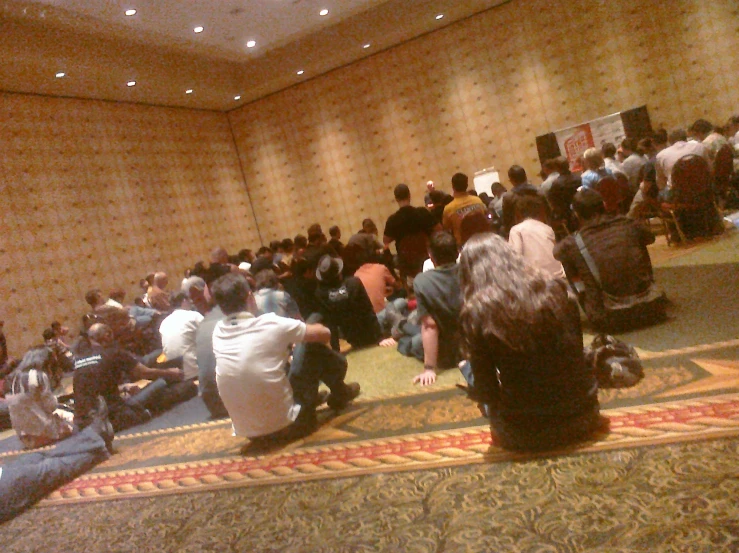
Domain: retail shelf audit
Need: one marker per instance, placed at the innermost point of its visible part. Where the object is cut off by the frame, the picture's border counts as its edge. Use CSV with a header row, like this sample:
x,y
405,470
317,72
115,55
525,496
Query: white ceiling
x,y
100,49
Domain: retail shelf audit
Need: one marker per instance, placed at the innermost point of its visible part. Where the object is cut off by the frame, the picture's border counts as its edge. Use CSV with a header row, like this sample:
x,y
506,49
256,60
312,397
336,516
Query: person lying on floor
x,y
438,297
521,333
267,399
104,367
32,405
32,476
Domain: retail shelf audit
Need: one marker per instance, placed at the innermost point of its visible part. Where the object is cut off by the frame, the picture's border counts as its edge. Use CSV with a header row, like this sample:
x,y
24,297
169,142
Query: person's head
x,y
402,194
94,297
161,280
628,146
196,290
335,232
287,245
608,150
659,139
316,237
531,207
231,293
300,242
548,167
245,255
314,228
701,129
430,185
100,333
587,203
443,248
275,246
369,227
266,278
733,124
437,197
219,256
592,159
506,301
517,175
646,147
485,198
39,358
329,270
117,294
460,182
57,327
678,135
48,334
264,251
178,300
497,190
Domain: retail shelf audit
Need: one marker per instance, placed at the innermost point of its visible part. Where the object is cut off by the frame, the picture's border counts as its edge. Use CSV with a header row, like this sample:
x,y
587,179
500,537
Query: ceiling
x,y
100,49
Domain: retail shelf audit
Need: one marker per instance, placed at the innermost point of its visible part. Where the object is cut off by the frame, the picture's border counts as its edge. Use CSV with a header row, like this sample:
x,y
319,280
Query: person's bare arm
x,y
317,333
387,241
430,338
142,372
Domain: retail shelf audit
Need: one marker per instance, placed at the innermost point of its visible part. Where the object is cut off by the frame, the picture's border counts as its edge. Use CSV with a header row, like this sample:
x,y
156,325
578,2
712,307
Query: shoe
x,y
101,425
339,402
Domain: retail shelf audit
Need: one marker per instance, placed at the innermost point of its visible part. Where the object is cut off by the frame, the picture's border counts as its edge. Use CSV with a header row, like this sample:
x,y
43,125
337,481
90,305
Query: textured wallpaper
x,y
475,95
97,194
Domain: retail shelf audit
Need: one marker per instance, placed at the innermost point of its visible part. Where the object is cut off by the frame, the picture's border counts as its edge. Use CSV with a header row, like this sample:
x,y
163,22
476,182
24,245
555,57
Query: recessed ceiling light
x,y
130,12
251,44
198,29
366,45
131,83
440,16
237,98
188,91
60,75
301,72
323,12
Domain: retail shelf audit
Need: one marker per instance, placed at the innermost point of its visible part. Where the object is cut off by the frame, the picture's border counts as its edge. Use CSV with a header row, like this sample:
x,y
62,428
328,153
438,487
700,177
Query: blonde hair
x,y
593,158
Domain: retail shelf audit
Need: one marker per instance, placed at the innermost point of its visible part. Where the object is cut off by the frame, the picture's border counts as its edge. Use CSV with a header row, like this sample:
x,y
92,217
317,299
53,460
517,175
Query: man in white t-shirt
x,y
267,398
533,239
178,331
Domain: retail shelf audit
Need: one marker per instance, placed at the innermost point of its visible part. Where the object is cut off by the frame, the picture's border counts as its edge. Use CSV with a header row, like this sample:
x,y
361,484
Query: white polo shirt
x,y
534,241
251,358
178,339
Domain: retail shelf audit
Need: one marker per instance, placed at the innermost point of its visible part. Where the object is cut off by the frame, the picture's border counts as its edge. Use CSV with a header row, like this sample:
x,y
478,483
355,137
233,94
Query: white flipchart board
x,y
484,179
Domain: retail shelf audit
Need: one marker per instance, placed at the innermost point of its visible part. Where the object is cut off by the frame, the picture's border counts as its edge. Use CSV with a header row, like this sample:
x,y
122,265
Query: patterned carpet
x,y
408,469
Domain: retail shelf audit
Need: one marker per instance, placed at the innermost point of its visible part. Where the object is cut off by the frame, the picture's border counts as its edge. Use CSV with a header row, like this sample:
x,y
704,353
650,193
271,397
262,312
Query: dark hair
x,y
485,197
443,247
287,244
629,144
701,126
608,149
678,135
230,293
274,245
439,198
117,294
473,192
549,165
460,182
177,299
300,241
263,250
315,227
517,175
243,255
334,231
266,278
563,165
659,136
92,297
199,269
48,334
506,302
734,120
497,189
56,325
531,206
587,203
645,146
402,192
316,235
369,224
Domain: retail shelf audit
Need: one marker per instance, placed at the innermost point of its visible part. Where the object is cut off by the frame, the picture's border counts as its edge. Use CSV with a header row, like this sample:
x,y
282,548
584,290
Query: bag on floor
x,y
616,363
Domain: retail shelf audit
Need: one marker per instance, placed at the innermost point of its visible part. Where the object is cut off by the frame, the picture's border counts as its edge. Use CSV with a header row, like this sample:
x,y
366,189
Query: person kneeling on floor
x,y
268,399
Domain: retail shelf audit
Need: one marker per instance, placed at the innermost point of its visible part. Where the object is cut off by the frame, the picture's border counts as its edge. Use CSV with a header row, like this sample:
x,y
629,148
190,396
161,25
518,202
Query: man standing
x,y
521,187
266,400
409,228
460,207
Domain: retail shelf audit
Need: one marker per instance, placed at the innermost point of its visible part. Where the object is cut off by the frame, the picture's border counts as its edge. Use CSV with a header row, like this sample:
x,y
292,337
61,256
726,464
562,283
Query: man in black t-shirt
x,y
409,228
345,306
102,369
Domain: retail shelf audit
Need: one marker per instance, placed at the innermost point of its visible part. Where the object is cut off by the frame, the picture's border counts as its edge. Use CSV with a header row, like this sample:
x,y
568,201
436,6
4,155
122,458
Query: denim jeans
x,y
400,304
33,476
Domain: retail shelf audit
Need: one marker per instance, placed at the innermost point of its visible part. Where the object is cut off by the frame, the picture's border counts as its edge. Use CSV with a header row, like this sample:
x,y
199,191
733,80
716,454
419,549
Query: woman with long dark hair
x,y
521,333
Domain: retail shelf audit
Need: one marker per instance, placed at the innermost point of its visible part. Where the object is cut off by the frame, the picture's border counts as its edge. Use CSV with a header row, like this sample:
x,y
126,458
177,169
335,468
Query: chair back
x,y
613,196
691,182
412,252
473,223
723,168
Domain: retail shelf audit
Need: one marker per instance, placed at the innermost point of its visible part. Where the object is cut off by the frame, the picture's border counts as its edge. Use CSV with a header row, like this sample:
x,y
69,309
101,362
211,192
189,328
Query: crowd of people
x,y
489,285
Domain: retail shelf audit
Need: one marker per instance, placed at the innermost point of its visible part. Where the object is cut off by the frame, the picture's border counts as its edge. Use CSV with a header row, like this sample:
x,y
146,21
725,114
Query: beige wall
x,y
96,194
476,94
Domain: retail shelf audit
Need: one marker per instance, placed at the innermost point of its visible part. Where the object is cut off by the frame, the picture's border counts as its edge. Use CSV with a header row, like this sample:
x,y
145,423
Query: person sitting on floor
x,y
270,299
267,399
380,284
439,300
608,263
345,306
102,369
521,334
33,407
178,335
532,238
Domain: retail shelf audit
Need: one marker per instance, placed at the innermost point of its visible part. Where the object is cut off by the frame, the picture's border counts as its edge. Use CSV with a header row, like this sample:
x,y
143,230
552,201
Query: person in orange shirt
x,y
460,207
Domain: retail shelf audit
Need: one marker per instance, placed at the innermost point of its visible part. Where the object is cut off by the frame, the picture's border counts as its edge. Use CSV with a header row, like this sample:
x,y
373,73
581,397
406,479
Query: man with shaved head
x,y
102,368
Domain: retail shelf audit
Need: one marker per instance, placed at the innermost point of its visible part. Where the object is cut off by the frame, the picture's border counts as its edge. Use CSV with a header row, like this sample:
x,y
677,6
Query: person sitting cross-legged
x,y
268,399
